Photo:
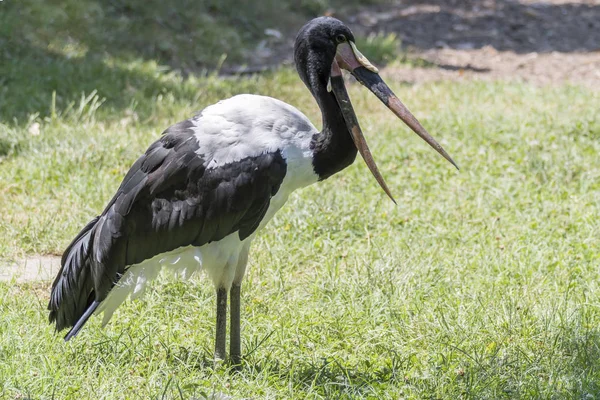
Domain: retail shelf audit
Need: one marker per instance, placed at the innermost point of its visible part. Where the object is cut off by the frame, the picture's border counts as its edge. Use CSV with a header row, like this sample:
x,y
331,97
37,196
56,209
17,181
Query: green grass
x,y
379,48
70,47
481,283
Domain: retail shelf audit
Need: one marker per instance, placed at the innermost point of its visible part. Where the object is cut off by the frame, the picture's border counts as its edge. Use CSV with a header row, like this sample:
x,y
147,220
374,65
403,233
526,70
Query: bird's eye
x,y
340,38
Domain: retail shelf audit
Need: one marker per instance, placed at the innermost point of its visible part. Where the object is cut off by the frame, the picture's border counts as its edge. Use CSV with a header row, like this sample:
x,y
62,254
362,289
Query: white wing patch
x,y
248,126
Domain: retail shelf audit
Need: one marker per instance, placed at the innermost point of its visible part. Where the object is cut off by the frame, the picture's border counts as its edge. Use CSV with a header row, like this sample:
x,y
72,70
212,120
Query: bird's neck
x,y
333,148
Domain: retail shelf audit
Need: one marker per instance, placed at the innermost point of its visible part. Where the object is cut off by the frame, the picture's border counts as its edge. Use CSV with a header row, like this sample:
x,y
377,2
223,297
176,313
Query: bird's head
x,y
325,46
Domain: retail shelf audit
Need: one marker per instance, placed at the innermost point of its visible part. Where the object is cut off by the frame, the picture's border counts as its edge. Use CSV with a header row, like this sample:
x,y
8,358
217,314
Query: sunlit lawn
x,y
481,283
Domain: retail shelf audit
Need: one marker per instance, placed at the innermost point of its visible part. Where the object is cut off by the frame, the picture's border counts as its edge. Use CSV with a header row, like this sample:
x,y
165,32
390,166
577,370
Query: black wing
x,y
167,200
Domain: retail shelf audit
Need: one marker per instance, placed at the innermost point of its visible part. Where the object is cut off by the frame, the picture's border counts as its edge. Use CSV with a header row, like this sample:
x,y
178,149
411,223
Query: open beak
x,y
349,58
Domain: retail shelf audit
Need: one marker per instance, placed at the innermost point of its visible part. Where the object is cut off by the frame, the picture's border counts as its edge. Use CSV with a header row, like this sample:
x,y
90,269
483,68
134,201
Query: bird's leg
x,y
235,344
235,348
221,324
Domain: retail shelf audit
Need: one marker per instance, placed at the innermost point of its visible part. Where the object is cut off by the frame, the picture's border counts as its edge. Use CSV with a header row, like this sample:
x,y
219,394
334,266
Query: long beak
x,y
349,58
376,85
341,95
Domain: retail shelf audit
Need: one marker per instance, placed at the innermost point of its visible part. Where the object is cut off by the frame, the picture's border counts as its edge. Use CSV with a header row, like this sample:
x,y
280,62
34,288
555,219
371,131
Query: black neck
x,y
333,148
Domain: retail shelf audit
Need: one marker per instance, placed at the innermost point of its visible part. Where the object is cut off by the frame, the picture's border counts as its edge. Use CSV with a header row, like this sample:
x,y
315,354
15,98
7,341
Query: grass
x,y
480,284
379,48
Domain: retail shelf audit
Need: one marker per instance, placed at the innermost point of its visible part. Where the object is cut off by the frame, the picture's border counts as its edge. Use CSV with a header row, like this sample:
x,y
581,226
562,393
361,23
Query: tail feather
x,y
72,298
79,324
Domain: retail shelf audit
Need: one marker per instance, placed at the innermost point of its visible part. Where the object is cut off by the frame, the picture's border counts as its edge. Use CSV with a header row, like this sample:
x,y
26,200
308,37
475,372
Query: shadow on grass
x,y
514,375
118,48
32,77
7,147
561,360
37,84
584,368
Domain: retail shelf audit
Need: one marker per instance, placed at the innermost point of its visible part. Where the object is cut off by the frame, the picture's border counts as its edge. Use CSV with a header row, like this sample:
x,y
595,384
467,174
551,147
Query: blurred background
x,y
67,46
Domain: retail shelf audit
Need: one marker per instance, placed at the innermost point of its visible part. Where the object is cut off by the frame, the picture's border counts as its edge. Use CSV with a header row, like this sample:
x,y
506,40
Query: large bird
x,y
198,196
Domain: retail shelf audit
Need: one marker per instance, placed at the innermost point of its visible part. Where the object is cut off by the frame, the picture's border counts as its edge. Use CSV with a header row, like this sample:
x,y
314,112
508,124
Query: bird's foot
x,y
220,362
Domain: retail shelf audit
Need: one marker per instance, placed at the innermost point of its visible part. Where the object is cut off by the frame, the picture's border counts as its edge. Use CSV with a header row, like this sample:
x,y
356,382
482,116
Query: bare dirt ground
x,y
540,41
551,41
35,268
546,42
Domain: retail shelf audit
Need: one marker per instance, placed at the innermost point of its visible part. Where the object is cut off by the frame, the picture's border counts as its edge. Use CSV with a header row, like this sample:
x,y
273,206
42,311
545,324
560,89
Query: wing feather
x,y
168,199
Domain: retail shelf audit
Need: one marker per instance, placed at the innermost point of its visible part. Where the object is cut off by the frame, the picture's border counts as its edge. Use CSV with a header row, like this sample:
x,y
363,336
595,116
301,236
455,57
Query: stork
x,y
198,196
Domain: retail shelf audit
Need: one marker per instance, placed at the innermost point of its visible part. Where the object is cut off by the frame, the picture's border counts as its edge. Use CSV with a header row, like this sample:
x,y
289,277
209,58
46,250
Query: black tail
x,y
75,329
72,300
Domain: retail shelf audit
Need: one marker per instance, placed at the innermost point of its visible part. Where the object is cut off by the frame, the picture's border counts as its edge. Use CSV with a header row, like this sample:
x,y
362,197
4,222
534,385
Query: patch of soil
x,y
506,25
35,268
490,64
551,41
543,41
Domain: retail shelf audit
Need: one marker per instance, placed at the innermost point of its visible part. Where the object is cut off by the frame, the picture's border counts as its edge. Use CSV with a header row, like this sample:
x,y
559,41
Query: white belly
x,y
220,260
